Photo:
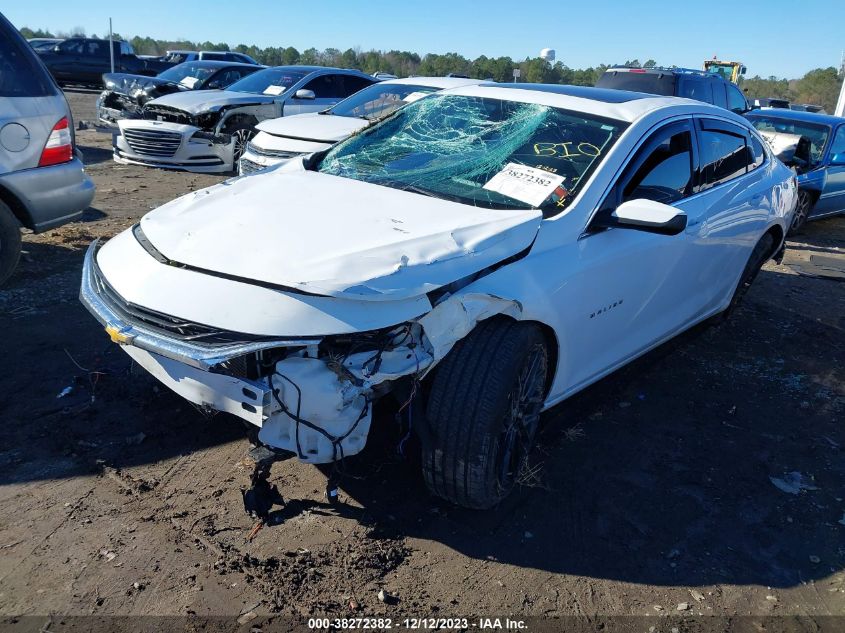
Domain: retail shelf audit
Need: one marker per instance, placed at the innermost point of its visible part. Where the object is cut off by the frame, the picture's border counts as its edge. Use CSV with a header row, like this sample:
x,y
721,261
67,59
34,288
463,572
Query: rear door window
x,y
352,84
21,74
326,87
757,154
723,151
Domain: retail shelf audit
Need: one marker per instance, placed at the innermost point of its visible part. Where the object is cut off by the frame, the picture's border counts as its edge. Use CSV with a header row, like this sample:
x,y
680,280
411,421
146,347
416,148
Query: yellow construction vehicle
x,y
732,71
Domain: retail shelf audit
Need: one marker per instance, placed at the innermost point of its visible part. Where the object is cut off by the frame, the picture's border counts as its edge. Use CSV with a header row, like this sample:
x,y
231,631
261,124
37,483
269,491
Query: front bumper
x,y
252,160
173,146
183,367
305,385
128,332
52,195
266,150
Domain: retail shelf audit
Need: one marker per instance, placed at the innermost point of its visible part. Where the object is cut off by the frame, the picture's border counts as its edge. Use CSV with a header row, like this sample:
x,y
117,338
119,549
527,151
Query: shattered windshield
x,y
270,81
816,133
379,100
481,151
188,70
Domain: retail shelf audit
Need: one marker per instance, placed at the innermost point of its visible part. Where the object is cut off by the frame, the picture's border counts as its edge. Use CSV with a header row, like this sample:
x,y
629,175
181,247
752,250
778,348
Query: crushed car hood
x,y
332,236
196,101
130,85
314,126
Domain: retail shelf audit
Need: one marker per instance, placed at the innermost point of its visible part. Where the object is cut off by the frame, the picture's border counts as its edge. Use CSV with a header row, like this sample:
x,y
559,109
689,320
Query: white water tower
x,y
548,54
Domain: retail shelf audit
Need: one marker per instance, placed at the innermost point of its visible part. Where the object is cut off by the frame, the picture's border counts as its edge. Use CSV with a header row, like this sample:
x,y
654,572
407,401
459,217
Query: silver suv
x,y
42,181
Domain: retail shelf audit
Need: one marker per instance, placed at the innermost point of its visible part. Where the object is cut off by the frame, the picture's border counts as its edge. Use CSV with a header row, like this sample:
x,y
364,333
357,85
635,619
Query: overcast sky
x,y
773,37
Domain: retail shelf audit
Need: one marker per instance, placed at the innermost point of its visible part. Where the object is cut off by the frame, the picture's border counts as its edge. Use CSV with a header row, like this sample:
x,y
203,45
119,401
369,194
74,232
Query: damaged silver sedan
x,y
477,257
207,131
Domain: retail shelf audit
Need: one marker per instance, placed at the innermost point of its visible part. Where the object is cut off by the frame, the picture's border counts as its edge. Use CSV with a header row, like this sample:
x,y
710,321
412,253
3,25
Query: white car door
x,y
631,286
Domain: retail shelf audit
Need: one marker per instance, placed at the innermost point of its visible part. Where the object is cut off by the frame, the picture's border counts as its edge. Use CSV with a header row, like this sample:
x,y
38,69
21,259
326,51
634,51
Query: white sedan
x,y
280,139
479,256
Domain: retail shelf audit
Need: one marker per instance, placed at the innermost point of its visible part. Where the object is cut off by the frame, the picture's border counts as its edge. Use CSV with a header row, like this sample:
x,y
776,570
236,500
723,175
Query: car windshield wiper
x,y
487,204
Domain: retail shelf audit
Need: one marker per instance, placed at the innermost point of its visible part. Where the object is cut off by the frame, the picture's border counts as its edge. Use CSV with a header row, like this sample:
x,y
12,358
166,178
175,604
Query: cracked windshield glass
x,y
485,152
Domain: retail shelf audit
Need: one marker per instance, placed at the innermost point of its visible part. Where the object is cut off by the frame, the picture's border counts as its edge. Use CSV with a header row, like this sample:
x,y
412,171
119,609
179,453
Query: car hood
x,y
135,85
332,236
196,101
314,127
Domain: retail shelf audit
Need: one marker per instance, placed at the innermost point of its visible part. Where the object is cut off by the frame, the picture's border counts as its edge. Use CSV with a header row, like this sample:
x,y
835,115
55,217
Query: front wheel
x,y
241,137
483,412
802,211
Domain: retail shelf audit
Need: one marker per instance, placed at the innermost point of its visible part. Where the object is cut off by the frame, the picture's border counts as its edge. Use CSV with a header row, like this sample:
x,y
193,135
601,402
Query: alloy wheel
x,y
522,418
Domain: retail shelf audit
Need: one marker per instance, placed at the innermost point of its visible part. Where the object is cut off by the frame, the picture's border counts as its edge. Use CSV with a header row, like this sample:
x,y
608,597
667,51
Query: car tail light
x,y
636,70
59,147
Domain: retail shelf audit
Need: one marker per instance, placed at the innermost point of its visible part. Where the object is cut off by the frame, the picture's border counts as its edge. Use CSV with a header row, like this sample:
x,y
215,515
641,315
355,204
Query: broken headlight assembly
x,y
207,120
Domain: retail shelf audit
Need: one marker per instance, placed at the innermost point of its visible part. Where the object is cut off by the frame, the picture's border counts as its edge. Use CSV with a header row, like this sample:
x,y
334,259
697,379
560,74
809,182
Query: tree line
x,y
820,86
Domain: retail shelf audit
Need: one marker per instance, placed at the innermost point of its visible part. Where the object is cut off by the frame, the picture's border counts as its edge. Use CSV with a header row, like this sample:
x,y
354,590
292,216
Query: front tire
x,y
483,412
806,201
241,135
10,242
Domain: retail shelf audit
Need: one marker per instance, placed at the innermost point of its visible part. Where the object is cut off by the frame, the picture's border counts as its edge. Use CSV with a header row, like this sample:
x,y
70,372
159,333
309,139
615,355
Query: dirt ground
x,y
653,494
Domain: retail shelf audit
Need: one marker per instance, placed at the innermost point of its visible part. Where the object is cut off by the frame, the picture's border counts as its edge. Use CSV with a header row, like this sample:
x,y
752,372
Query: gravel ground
x,y
653,493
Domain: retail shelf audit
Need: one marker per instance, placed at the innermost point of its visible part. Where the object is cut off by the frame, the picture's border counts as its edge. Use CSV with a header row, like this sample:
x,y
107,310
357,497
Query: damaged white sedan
x,y
479,256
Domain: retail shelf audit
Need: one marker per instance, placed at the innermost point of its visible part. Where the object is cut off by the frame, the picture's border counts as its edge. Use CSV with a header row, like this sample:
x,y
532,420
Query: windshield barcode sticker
x,y
523,183
189,82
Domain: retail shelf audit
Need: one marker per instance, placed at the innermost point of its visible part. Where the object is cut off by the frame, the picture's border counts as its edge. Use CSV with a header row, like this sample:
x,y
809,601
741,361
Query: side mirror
x,y
838,159
304,93
645,215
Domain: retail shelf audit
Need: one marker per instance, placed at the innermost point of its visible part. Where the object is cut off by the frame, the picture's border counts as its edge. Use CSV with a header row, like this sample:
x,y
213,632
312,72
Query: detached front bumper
x,y
184,367
173,146
338,412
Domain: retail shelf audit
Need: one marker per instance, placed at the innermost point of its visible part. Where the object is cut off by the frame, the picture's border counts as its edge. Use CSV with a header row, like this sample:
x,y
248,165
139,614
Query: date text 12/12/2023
x,y
384,624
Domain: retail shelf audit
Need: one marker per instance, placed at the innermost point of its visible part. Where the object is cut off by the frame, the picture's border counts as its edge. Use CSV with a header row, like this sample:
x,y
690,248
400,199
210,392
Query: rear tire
x,y
759,256
483,411
10,242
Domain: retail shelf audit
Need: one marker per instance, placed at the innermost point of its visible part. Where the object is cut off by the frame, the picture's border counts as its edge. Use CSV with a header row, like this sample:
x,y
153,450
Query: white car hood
x,y
333,236
196,101
314,127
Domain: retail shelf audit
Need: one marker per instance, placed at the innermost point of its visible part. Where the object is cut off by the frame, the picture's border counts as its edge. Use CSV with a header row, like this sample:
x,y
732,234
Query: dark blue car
x,y
819,159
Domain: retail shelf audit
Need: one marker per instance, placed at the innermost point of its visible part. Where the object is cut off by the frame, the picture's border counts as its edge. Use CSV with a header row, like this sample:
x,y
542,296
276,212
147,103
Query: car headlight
x,y
207,120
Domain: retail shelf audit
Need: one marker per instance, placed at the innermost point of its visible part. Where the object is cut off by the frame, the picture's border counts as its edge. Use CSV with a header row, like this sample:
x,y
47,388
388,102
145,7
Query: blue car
x,y
819,159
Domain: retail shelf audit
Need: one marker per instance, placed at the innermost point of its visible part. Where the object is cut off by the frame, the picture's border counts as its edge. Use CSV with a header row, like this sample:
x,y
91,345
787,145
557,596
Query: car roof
x,y
218,63
313,69
797,115
657,70
622,105
443,83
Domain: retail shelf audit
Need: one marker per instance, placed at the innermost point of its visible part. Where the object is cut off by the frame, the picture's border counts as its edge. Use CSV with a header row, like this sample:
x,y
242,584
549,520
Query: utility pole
x,y
840,104
111,47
